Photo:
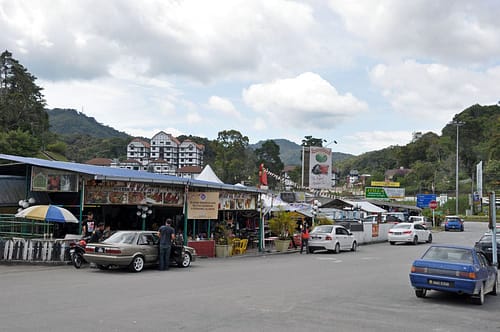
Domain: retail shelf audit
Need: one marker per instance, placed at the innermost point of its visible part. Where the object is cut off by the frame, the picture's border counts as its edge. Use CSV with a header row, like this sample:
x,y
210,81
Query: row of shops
x,y
127,199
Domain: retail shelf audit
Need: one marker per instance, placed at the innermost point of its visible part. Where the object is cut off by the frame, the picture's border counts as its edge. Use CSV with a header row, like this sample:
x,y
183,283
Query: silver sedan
x,y
135,250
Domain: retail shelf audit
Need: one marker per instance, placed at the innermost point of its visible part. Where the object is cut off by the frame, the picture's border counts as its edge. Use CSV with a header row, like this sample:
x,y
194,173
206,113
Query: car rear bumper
x,y
108,260
452,285
320,245
400,238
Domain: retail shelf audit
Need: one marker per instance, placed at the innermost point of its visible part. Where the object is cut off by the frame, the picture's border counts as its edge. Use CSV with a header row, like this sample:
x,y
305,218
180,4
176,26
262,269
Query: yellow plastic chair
x,y
241,248
234,244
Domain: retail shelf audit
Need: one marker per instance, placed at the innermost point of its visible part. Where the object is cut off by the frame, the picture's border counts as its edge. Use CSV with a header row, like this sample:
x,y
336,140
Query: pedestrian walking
x,y
305,239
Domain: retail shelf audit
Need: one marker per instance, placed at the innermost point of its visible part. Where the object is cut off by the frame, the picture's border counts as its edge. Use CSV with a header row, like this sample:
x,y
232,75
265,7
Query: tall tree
x,y
311,141
269,155
21,100
231,157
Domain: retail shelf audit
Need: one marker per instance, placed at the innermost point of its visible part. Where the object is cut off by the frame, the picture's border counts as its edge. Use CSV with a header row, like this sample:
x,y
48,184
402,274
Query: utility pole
x,y
457,124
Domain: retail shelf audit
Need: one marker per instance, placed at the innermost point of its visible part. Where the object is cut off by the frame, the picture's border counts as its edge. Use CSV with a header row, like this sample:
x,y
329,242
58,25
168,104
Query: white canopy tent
x,y
207,174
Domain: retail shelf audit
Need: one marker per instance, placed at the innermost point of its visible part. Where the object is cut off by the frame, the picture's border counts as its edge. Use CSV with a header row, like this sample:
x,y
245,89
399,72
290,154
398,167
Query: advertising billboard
x,y
320,168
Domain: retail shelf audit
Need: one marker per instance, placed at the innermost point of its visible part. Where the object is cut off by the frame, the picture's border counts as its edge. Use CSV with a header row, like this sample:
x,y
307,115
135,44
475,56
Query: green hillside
x,y
291,153
71,122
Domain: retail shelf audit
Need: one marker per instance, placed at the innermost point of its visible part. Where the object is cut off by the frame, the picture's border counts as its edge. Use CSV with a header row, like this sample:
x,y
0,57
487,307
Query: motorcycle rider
x,y
97,234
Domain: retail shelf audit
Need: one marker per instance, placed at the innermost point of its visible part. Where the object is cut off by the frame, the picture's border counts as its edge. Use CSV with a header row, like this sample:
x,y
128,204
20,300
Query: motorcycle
x,y
76,251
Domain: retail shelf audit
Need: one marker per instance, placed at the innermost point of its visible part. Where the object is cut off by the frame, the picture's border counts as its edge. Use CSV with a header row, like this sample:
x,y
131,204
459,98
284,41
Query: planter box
x,y
223,250
281,245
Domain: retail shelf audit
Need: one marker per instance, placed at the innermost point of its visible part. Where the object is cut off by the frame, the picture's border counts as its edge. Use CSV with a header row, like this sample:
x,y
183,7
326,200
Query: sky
x,y
366,74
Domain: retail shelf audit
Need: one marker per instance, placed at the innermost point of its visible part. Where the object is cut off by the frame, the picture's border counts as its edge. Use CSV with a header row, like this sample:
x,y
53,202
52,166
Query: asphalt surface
x,y
367,290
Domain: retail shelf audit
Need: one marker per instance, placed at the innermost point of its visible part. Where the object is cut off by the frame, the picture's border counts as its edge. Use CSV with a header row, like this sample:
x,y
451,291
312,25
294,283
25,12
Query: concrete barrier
x,y
34,250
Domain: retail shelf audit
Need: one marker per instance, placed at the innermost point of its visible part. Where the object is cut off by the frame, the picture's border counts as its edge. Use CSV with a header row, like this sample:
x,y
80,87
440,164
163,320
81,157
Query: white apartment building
x,y
165,154
139,150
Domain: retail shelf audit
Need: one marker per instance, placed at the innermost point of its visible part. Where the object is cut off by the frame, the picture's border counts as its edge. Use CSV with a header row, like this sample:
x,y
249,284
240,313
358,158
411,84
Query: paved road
x,y
363,291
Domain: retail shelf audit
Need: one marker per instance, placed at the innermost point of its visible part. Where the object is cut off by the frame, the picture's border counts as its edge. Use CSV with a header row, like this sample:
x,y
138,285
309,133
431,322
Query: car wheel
x,y
392,243
77,261
429,239
337,248
186,260
462,229
479,298
311,250
137,264
420,292
354,246
494,290
415,240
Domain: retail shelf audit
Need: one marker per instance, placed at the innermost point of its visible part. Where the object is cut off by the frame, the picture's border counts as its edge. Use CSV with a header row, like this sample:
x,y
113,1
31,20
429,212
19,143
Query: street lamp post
x,y
315,210
457,124
143,211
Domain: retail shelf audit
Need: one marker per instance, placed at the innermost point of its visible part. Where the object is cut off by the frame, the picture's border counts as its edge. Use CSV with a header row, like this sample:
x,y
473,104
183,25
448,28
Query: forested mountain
x,y
432,158
291,153
70,122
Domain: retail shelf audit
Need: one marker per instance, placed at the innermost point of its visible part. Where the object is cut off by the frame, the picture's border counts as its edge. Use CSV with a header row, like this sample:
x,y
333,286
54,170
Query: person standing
x,y
305,239
88,225
166,234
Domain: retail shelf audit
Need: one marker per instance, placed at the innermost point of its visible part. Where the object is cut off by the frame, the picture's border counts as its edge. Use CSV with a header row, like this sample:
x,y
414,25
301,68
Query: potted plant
x,y
222,236
282,225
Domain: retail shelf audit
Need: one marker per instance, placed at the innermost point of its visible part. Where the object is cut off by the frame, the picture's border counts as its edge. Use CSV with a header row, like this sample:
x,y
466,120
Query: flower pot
x,y
281,245
222,250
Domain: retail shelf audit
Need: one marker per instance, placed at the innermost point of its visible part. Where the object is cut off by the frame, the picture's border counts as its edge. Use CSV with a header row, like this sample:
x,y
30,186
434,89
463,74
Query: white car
x,y
409,232
332,238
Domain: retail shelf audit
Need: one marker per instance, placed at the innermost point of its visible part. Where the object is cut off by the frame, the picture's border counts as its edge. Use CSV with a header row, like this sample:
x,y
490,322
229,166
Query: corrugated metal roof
x,y
121,174
13,187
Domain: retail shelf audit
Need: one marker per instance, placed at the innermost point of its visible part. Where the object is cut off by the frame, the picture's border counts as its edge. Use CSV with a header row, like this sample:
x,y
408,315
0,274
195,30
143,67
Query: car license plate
x,y
440,283
397,233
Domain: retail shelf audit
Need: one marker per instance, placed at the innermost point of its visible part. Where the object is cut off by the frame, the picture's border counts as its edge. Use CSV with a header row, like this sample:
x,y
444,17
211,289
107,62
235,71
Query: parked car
x,y
332,238
135,250
454,269
485,245
418,220
453,223
409,232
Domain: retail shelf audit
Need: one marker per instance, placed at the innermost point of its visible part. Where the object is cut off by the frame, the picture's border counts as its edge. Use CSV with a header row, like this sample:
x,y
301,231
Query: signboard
x,y
385,184
131,193
378,192
203,205
433,205
320,168
46,179
231,200
423,200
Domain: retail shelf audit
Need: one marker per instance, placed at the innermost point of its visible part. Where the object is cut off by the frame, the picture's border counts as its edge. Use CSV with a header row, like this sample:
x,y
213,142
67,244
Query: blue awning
x,y
121,174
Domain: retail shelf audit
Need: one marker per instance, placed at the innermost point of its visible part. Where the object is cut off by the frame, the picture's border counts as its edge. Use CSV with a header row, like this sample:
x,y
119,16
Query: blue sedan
x,y
453,223
454,269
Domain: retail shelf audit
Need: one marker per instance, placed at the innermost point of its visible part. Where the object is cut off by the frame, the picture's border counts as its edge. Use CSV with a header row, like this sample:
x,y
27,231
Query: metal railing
x,y
10,226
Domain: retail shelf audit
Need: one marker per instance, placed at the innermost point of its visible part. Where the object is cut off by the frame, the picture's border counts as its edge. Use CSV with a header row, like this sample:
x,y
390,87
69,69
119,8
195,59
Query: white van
x,y
418,220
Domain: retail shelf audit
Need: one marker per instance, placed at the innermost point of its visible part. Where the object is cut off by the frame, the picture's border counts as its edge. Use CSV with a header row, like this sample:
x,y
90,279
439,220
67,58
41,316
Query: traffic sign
x,y
433,205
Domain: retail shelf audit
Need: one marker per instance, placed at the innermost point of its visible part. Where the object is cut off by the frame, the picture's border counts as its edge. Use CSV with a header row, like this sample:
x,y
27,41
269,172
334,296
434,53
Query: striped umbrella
x,y
47,213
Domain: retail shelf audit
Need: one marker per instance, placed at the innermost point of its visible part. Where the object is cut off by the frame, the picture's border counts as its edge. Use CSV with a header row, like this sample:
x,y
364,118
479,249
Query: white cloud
x,y
374,140
434,91
456,31
306,101
223,105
